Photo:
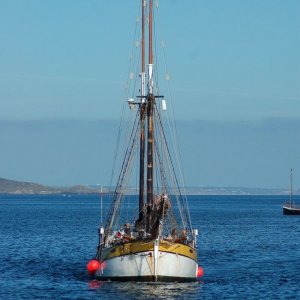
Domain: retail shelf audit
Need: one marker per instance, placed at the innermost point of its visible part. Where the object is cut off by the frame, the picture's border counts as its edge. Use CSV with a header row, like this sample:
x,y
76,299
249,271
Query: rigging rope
x,y
128,90
163,154
174,135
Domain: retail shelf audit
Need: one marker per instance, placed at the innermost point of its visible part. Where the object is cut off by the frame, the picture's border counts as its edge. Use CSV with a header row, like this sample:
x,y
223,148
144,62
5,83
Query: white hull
x,y
141,266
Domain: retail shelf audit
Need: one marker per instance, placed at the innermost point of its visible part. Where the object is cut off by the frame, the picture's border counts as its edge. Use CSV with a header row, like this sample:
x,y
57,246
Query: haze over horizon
x,y
235,77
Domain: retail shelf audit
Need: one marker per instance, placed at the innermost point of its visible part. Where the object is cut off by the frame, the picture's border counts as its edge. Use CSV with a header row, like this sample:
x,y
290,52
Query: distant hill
x,y
18,187
239,191
8,186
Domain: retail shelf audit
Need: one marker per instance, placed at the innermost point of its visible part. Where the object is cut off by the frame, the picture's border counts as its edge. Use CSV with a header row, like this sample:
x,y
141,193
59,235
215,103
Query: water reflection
x,y
95,284
150,290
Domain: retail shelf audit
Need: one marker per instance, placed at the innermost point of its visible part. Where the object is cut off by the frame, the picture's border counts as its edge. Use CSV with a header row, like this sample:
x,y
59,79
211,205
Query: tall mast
x,y
291,188
150,105
142,119
143,49
150,71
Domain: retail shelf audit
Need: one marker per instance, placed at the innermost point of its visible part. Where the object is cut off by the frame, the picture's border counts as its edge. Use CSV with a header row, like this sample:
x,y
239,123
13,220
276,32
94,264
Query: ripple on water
x,y
244,249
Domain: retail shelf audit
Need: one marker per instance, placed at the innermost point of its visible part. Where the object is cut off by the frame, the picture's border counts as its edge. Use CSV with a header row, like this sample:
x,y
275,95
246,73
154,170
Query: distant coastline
x,y
13,187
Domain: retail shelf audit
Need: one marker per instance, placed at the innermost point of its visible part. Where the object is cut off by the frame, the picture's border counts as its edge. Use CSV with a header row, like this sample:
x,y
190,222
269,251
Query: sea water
x,y
246,246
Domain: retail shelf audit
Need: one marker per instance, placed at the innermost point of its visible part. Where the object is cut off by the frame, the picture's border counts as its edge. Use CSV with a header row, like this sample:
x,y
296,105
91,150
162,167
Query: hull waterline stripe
x,y
149,278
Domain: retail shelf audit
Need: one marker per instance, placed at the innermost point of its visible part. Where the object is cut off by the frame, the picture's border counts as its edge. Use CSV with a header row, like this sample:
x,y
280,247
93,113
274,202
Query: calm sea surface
x,y
247,248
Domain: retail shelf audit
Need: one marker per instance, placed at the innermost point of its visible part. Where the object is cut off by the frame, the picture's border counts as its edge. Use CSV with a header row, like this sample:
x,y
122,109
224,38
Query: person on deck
x,y
127,229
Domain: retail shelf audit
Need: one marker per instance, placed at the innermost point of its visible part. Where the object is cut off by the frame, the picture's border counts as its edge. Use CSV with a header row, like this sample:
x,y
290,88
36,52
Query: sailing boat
x,y
290,207
155,241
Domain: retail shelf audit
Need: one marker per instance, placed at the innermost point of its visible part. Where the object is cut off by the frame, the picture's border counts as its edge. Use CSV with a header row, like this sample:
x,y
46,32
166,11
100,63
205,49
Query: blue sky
x,y
235,77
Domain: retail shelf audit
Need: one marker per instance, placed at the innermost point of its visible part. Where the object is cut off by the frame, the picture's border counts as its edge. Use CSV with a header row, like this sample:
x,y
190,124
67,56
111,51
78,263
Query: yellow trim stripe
x,y
178,248
141,246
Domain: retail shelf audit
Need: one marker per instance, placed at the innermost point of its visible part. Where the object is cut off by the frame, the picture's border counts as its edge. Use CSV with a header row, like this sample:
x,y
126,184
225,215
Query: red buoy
x,y
92,266
200,272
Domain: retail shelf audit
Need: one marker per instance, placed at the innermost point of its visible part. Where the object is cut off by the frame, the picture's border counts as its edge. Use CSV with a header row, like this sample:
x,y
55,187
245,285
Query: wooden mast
x,y
142,121
150,105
